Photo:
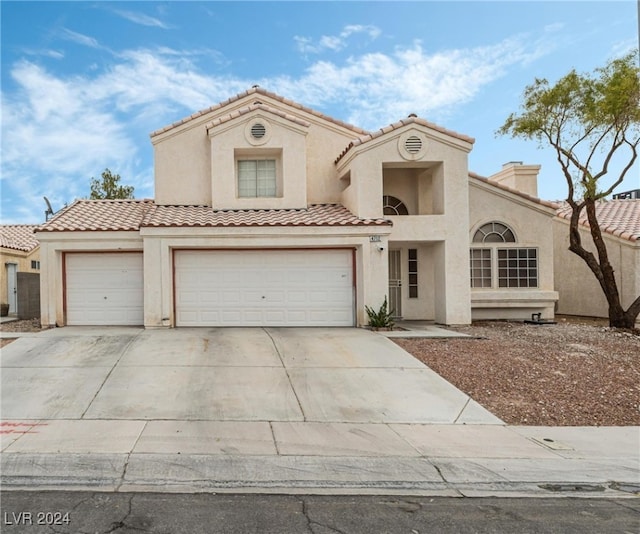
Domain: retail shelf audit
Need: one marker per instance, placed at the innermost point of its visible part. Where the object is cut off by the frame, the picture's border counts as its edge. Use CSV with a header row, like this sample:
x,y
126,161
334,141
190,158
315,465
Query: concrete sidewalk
x,y
442,460
270,410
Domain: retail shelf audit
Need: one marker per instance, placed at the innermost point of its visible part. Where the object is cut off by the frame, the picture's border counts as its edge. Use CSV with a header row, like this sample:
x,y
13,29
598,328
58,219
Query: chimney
x,y
515,175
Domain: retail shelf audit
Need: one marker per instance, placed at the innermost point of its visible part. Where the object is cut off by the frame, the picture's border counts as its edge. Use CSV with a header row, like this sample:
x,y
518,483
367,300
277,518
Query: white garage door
x,y
104,289
264,288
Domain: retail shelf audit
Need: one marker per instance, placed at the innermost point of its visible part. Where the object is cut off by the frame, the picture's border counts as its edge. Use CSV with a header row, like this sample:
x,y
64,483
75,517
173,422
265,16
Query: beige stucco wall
x,y
533,227
422,307
182,166
580,292
23,263
284,142
190,163
53,245
159,243
195,163
433,180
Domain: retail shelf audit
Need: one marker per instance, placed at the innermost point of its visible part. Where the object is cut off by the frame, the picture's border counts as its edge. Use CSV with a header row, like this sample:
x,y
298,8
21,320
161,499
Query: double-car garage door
x,y
264,288
217,288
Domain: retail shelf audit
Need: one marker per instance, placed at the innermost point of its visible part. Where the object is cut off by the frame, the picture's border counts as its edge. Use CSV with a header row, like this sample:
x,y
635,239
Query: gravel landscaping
x,y
578,372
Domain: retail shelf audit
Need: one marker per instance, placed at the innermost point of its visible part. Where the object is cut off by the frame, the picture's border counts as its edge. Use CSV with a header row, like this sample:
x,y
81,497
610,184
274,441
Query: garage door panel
x,y
264,288
104,289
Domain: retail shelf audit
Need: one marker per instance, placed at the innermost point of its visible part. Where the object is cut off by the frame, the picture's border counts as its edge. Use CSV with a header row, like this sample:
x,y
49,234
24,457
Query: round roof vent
x,y
413,144
258,130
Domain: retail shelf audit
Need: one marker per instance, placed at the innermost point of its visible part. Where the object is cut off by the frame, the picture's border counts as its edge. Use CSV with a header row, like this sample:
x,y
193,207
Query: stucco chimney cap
x,y
511,164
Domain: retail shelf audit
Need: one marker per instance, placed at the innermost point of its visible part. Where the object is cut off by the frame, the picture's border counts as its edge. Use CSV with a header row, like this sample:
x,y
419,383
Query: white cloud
x,y
335,43
80,38
55,135
379,88
142,19
58,131
47,52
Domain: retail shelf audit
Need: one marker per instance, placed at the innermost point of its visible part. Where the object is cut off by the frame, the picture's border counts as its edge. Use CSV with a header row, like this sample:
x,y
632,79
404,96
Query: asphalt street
x,y
64,512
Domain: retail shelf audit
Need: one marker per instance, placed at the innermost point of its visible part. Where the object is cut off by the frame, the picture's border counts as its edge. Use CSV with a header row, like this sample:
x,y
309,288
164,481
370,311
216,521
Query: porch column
x,y
452,288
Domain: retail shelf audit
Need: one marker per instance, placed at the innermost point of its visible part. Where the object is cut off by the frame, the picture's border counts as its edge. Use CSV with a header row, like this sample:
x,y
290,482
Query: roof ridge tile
x,y
258,90
400,124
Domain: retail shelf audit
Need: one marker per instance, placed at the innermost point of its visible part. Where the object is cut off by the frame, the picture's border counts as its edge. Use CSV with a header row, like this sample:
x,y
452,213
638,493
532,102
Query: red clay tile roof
x,y
258,91
620,217
204,216
131,215
18,237
253,107
105,215
403,122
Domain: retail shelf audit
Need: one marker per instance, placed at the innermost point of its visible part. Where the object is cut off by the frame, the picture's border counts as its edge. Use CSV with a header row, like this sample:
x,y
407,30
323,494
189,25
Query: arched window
x,y
393,206
494,232
517,267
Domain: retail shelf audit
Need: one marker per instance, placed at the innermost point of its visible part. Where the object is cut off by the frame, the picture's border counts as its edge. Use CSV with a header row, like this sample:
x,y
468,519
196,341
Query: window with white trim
x,y
480,259
494,232
517,267
257,178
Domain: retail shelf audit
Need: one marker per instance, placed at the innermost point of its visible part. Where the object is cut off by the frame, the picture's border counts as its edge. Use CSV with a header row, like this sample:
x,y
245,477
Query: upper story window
x,y
257,178
393,206
517,267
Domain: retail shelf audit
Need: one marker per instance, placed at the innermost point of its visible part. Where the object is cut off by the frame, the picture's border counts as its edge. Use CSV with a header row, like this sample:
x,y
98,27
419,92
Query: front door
x,y
395,283
12,287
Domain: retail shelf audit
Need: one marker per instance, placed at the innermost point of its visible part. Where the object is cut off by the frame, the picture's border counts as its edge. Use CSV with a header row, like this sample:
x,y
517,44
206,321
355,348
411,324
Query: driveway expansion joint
x,y
106,378
280,355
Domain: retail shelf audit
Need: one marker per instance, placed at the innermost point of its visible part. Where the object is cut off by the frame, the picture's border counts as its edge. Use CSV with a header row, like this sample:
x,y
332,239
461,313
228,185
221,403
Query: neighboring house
x,y
580,293
19,253
270,213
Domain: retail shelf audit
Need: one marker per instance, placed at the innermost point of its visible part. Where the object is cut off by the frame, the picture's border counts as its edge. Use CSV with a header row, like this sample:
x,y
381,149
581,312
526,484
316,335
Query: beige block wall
x,y
22,260
580,292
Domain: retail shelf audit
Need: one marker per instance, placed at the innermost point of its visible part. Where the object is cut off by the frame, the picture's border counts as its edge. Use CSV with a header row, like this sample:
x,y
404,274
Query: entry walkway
x,y
286,410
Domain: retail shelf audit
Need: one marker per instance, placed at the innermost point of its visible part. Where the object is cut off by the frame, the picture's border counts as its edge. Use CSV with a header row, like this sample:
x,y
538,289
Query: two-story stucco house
x,y
267,213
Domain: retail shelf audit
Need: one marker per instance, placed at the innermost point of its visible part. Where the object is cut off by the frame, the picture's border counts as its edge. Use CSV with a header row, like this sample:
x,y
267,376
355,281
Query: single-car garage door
x,y
104,289
264,288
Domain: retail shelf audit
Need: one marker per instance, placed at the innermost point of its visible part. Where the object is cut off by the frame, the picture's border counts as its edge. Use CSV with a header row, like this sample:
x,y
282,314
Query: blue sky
x,y
84,83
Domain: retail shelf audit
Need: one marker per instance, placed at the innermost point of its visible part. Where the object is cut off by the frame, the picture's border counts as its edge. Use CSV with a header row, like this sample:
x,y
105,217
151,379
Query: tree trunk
x,y
600,266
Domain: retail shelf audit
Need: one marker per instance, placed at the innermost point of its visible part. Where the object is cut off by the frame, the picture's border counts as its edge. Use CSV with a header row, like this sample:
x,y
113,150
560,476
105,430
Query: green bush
x,y
383,318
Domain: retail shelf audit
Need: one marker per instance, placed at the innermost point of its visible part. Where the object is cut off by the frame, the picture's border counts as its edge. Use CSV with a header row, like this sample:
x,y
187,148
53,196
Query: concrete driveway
x,y
233,374
346,410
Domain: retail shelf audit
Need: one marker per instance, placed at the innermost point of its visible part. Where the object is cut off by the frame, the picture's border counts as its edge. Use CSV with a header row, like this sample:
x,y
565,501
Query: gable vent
x,y
413,144
258,130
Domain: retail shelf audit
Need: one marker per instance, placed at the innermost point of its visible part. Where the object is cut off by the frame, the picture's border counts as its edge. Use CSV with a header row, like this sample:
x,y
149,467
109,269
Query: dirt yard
x,y
27,325
578,372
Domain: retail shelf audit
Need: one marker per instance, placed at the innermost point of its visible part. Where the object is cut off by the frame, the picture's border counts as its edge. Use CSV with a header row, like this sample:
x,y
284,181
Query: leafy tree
x,y
592,122
108,188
